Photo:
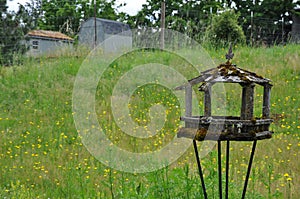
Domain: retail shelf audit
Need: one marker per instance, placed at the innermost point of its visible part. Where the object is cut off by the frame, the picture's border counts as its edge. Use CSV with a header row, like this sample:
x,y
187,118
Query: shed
x,y
105,29
45,41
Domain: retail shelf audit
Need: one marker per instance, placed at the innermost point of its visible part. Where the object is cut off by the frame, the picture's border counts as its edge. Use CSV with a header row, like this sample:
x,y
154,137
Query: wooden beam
x,y
266,101
188,100
207,100
247,102
202,134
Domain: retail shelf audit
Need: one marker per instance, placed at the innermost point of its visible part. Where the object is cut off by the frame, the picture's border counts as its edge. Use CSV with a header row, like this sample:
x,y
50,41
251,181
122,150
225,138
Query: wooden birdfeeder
x,y
245,127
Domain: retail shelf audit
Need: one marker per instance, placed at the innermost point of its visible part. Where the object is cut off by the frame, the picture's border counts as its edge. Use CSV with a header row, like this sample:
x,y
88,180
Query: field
x,y
42,155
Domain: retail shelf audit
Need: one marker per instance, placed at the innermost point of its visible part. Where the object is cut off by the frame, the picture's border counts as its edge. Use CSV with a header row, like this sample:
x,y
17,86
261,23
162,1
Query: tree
x,y
267,18
65,15
189,17
192,17
197,15
30,13
60,15
12,34
225,29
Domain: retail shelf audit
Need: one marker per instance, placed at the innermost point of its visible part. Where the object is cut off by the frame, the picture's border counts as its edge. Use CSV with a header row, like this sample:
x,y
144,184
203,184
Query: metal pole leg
x,y
249,168
227,168
220,168
200,169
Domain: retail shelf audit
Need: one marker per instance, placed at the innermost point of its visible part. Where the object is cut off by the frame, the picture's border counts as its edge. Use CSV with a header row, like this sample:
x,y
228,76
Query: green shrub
x,y
225,29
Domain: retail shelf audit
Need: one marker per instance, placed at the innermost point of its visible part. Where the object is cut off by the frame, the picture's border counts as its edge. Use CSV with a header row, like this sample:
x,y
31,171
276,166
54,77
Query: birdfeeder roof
x,y
230,73
227,73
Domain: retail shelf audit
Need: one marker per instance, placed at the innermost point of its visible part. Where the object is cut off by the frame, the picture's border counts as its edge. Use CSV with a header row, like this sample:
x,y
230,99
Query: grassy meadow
x,y
42,156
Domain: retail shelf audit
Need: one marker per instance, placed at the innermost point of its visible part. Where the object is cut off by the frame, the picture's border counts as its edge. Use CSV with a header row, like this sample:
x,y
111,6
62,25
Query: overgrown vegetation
x,y
262,22
267,21
225,28
11,35
41,154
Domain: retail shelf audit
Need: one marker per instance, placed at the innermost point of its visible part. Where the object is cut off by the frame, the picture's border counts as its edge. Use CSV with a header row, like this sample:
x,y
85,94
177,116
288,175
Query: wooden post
x,y
188,100
207,100
266,101
247,102
282,30
251,35
95,23
163,24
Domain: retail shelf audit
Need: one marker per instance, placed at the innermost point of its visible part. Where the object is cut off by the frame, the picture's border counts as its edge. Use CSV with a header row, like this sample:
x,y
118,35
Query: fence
x,y
262,31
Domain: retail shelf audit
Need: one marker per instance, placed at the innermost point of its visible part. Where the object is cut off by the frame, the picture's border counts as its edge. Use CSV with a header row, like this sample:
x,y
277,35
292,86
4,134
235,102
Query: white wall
x,y
46,46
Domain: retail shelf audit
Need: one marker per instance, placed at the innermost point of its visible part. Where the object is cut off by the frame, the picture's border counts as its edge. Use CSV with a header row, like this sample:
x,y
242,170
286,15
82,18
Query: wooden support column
x,y
266,101
207,100
188,100
247,102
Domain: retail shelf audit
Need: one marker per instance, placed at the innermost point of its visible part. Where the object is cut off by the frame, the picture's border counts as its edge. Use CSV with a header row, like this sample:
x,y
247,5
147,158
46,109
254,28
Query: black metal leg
x,y
249,168
227,168
200,169
220,168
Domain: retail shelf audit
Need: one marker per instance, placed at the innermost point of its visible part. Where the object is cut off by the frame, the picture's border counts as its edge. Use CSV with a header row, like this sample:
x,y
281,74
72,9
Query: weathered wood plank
x,y
215,120
266,101
202,134
247,101
207,101
188,100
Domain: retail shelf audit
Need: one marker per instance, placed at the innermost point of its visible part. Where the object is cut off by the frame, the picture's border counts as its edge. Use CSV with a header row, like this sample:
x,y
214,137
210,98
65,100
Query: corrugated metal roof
x,y
49,34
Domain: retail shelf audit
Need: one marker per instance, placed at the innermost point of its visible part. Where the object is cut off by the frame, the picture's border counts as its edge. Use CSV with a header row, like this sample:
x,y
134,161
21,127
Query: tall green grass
x,y
41,154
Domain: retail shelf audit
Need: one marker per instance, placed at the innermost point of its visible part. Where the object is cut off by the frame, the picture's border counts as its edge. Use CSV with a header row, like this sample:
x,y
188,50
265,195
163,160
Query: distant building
x,y
296,27
44,42
119,33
